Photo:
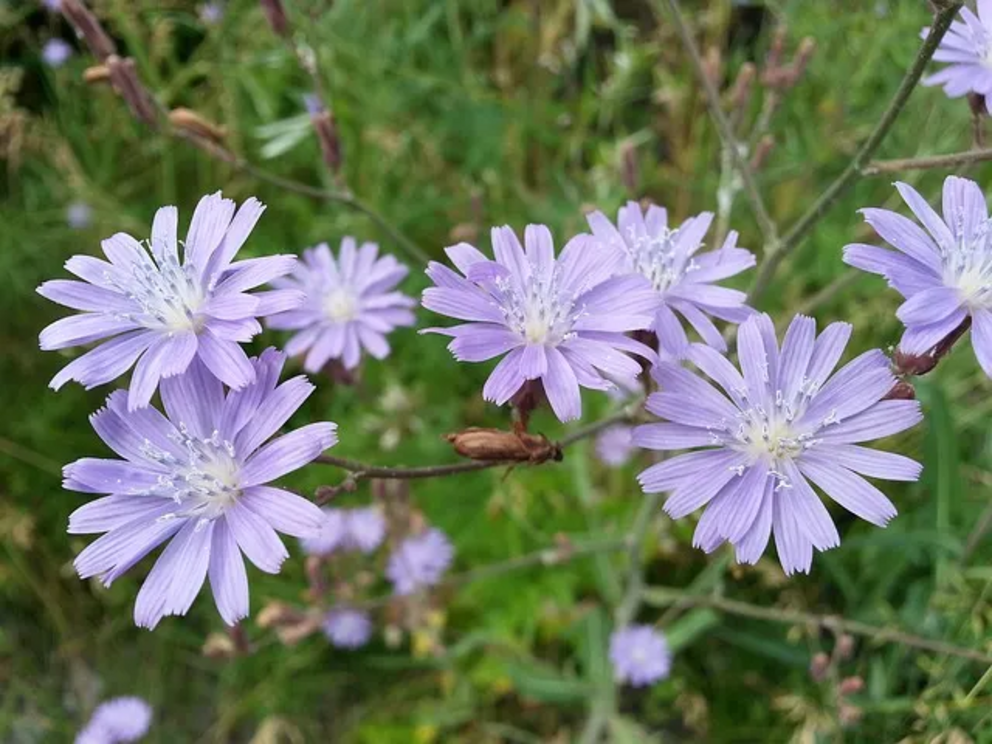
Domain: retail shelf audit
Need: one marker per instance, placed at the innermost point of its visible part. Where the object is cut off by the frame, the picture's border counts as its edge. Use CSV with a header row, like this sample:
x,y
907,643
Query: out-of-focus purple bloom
x,y
614,445
785,420
53,5
123,719
967,48
419,561
212,13
559,320
163,314
197,477
347,628
329,537
945,273
639,655
351,304
78,215
364,529
313,104
347,529
682,277
56,52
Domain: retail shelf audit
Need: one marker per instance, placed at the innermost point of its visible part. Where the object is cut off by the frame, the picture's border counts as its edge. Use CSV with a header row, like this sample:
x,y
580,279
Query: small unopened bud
x,y
761,152
184,118
713,65
275,14
278,613
740,94
849,715
819,666
801,61
293,633
88,27
773,59
327,132
96,74
629,175
850,686
913,365
219,646
844,648
902,390
124,76
496,445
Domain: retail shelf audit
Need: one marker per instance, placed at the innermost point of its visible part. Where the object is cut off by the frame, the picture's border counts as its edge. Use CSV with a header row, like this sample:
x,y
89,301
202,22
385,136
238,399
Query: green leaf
x,y
690,626
626,731
544,683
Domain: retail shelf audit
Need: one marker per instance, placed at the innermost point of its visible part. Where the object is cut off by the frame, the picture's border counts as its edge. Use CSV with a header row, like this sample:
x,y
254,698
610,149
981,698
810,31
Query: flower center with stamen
x,y
204,482
170,295
340,305
968,263
540,314
655,257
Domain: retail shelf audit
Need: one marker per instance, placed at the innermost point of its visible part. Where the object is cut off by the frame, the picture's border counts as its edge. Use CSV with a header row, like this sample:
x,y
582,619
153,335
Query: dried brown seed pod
x,y
496,445
184,118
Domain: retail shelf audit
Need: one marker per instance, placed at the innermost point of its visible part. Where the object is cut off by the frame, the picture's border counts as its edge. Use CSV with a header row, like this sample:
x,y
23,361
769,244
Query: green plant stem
x,y
729,142
802,227
665,596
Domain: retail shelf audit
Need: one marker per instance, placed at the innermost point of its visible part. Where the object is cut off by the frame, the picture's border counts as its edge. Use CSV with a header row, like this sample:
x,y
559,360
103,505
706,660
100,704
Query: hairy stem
x,y
876,167
846,179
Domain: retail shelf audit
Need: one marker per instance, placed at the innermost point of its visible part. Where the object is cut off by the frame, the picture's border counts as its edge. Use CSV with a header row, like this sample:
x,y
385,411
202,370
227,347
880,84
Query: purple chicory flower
x,y
351,304
640,655
163,314
211,13
197,477
365,529
682,277
78,215
967,48
347,628
419,561
347,529
123,719
784,421
56,52
560,320
945,273
329,537
52,5
614,446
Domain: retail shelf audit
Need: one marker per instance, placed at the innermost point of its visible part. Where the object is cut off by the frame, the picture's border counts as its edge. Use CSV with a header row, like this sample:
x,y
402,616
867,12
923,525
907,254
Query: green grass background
x,y
474,113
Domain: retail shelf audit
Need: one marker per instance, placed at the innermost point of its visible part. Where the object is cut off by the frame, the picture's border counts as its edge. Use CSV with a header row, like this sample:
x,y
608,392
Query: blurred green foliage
x,y
455,115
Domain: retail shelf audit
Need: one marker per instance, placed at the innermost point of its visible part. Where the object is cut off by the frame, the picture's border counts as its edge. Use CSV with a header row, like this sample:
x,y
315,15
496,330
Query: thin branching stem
x,y
727,138
968,157
665,596
361,470
803,226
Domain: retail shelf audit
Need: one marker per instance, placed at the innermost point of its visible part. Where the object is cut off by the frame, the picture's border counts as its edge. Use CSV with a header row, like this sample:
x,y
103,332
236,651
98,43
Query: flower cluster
x,y
967,48
347,529
198,475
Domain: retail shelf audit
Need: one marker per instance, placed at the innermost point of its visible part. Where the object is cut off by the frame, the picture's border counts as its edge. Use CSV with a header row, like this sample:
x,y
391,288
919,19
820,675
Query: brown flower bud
x,y
740,94
629,174
496,445
773,59
275,14
850,686
844,648
902,390
124,76
761,152
327,134
219,646
88,26
849,715
801,61
913,365
819,666
278,613
976,102
96,74
184,118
